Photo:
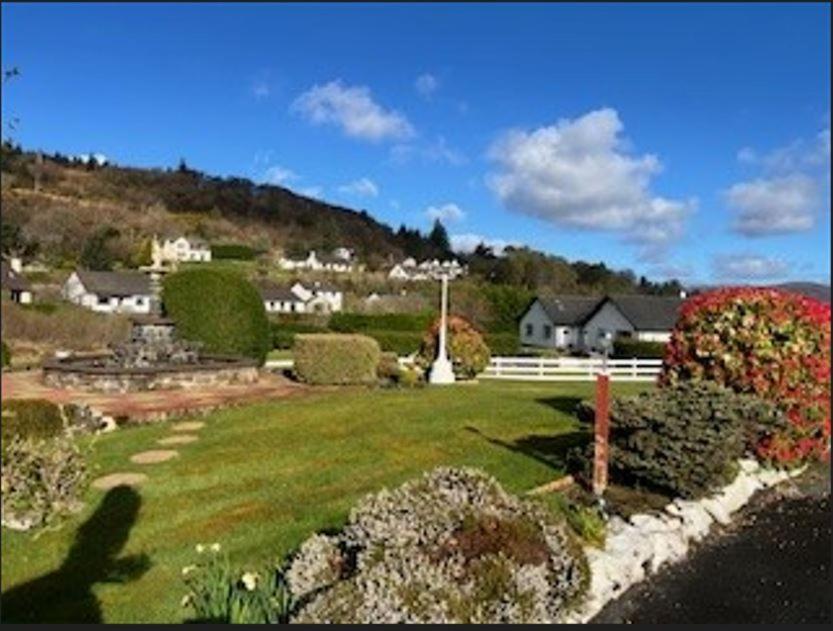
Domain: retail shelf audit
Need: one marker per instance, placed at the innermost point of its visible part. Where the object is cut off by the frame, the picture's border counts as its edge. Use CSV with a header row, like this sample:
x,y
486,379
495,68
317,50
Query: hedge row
x,y
5,355
505,344
336,359
627,349
30,418
360,323
233,251
283,333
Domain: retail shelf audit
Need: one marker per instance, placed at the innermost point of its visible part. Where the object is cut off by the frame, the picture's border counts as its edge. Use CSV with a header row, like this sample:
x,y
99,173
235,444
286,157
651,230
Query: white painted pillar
x,y
441,370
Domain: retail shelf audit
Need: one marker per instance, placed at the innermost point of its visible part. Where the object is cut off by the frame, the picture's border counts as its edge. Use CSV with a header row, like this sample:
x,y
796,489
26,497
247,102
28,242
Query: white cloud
x,y
578,173
279,176
426,84
447,213
748,267
436,151
312,191
468,242
774,205
353,109
363,187
667,271
260,89
788,194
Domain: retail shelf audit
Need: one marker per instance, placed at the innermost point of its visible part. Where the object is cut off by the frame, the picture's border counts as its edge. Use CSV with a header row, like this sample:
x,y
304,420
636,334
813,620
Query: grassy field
x,y
264,477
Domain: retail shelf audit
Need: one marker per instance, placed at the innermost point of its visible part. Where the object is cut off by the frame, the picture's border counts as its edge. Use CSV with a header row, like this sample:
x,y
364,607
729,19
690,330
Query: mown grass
x,y
264,477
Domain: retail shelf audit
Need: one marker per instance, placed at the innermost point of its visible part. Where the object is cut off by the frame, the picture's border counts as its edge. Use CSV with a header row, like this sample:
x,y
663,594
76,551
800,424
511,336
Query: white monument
x,y
441,370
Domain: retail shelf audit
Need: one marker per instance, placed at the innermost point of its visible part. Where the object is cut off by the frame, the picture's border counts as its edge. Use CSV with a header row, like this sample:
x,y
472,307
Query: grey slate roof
x,y
569,310
649,313
270,291
9,279
115,283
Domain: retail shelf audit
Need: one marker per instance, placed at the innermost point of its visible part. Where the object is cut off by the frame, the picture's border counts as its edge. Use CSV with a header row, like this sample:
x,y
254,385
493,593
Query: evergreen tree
x,y
439,237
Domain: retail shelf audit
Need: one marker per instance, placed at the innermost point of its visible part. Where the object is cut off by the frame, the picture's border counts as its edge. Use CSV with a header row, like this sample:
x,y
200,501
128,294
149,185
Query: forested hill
x,y
58,207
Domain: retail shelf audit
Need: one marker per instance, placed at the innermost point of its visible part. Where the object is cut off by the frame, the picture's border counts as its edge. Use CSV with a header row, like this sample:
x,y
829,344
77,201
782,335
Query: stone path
x,y
153,456
187,426
181,439
107,482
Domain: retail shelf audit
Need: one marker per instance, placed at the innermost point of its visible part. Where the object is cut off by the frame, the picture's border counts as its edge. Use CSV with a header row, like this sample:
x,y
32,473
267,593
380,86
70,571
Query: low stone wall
x,y
79,374
640,546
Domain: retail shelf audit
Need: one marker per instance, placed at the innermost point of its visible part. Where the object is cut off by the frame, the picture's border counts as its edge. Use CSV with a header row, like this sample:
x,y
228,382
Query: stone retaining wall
x,y
640,546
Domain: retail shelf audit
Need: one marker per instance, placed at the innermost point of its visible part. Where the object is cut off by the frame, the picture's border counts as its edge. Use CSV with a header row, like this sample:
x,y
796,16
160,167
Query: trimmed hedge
x,y
283,333
233,251
399,342
360,323
684,440
220,309
503,344
5,355
772,343
336,359
627,349
30,418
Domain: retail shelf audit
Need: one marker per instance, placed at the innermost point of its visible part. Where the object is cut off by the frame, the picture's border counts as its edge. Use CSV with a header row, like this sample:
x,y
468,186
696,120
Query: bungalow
x,y
318,298
341,260
191,249
109,292
426,270
581,322
14,283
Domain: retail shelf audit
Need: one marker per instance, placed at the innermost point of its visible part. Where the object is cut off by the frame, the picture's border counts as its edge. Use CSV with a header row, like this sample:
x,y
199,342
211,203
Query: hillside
x,y
812,290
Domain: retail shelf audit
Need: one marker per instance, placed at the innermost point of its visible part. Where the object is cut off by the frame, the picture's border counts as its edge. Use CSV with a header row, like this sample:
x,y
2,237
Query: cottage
x,y
341,260
317,298
426,270
109,292
581,322
13,283
185,249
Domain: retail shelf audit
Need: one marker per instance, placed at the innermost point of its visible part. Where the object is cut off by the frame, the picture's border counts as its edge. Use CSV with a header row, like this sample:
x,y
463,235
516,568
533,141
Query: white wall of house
x,y
653,336
284,306
22,296
606,319
535,326
181,249
75,292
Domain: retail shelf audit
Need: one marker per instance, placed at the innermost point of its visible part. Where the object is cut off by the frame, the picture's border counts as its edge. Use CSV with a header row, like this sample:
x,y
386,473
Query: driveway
x,y
772,565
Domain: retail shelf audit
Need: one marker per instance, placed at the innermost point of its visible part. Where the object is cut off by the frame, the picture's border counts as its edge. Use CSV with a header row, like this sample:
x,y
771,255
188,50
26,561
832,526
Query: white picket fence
x,y
548,368
570,369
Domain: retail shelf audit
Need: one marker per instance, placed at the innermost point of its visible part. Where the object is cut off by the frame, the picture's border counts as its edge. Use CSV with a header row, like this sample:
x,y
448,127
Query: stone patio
x,y
152,405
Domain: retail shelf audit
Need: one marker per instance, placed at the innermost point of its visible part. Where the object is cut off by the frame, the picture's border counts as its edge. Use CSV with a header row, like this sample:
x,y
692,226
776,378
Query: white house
x,y
109,292
426,270
13,283
317,298
180,249
341,260
581,322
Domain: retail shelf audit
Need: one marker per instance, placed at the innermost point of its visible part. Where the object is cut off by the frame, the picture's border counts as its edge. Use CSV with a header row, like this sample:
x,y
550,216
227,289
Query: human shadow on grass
x,y
66,595
549,449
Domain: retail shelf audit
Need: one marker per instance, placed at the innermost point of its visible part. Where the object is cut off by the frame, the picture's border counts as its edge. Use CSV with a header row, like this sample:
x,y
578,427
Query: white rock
x,y
696,521
748,465
108,424
715,507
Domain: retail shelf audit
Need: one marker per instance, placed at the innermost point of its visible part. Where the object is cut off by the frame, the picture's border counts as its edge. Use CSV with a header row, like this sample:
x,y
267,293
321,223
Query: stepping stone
x,y
107,482
187,426
153,456
179,439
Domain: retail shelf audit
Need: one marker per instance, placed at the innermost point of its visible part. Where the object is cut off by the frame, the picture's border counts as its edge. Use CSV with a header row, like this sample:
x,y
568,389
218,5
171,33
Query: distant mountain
x,y
811,290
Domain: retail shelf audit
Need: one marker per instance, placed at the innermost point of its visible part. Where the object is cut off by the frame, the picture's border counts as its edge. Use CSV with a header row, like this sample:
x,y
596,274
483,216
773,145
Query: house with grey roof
x,y
109,292
581,323
182,248
14,284
313,298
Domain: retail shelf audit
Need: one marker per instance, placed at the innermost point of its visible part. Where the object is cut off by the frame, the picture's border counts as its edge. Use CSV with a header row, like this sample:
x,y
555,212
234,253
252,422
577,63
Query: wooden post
x,y
602,431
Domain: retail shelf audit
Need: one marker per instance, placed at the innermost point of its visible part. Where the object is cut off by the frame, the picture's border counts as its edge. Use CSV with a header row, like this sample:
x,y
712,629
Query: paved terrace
x,y
152,405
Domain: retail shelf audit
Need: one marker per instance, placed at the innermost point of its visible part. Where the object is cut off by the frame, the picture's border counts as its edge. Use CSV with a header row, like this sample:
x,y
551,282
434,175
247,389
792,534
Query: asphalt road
x,y
772,565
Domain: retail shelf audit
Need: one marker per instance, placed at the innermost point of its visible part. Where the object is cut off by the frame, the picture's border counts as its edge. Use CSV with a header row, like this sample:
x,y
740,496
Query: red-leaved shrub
x,y
467,350
767,342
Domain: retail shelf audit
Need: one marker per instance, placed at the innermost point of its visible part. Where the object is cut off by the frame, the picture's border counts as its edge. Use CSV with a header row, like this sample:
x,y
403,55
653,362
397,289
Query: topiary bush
x,y
683,440
767,342
220,309
336,359
641,349
451,546
42,479
467,349
30,418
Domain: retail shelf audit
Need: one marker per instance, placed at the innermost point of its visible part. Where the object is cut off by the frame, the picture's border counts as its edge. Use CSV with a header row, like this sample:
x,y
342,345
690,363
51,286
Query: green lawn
x,y
264,477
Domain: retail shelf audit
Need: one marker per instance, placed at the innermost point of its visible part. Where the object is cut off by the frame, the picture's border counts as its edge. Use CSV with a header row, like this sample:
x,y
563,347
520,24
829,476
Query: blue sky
x,y
674,140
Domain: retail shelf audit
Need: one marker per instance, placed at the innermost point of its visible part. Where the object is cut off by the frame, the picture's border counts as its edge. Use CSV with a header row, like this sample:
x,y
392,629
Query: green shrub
x,y
234,251
399,342
336,358
30,418
627,349
220,309
467,350
388,369
360,323
684,440
283,333
5,355
218,594
505,344
41,479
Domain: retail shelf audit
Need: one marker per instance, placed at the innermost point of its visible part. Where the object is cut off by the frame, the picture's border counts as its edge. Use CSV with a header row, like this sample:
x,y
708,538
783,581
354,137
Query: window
x,y
547,331
529,330
104,300
140,301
